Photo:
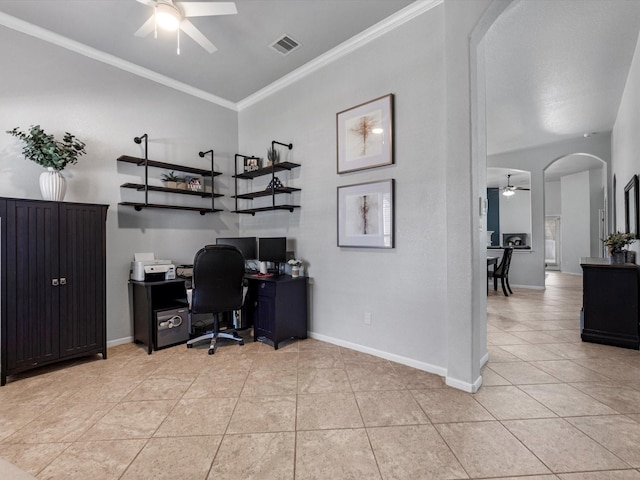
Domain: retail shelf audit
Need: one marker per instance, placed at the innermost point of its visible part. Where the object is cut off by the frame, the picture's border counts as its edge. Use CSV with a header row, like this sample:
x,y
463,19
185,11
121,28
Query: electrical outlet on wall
x,y
367,318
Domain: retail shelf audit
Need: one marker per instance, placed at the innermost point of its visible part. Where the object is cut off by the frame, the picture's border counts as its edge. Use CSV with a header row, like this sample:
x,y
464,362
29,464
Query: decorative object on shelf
x,y
251,164
296,267
631,215
180,188
616,243
365,135
275,183
170,179
193,183
365,215
52,154
273,156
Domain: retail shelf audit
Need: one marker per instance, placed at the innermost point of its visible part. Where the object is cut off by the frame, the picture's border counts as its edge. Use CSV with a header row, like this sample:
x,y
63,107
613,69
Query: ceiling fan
x,y
509,189
172,15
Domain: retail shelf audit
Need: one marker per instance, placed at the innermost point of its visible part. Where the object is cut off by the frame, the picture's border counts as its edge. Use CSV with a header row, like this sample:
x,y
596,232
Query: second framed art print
x,y
365,215
365,135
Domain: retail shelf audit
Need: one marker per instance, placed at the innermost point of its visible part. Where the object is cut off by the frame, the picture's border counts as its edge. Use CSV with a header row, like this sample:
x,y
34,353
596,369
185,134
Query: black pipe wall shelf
x,y
268,192
146,188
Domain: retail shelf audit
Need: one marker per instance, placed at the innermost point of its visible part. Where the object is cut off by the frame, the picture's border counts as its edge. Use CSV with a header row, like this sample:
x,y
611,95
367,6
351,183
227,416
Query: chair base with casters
x,y
214,335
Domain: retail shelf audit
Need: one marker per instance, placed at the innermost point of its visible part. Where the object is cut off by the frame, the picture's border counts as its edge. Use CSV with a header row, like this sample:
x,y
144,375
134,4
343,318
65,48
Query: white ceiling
x,y
555,68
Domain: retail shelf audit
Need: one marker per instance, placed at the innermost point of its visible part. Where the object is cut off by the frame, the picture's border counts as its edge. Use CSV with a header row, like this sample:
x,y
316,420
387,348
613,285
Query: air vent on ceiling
x,y
285,45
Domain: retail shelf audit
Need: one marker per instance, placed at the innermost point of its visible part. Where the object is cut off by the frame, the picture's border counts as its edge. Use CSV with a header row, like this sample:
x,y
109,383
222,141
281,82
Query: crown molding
x,y
388,24
77,47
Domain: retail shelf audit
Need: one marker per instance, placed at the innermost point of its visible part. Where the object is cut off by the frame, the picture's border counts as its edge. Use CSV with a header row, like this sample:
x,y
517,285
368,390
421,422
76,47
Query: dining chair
x,y
502,272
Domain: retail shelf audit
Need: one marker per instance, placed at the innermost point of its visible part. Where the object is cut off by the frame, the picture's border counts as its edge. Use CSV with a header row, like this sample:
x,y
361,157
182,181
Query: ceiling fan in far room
x,y
172,16
509,189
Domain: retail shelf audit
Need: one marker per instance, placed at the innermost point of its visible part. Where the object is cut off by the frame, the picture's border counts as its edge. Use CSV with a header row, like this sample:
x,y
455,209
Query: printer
x,y
147,268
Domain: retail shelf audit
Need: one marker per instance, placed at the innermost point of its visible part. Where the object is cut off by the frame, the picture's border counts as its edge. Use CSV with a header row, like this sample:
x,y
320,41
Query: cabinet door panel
x,y
32,301
82,268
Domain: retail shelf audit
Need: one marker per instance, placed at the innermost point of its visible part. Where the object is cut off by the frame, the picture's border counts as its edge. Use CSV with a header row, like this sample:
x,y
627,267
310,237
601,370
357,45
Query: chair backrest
x,y
218,274
505,263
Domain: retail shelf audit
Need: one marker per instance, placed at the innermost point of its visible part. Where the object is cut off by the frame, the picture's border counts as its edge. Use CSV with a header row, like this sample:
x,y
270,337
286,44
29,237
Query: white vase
x,y
295,271
53,185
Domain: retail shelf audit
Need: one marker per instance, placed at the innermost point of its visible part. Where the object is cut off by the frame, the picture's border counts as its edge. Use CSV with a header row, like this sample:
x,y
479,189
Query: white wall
x,y
515,213
575,227
625,143
402,287
552,202
596,203
106,107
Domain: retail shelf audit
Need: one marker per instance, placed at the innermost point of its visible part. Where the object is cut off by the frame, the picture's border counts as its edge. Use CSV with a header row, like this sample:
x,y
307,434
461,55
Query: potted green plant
x,y
273,156
54,155
171,179
616,243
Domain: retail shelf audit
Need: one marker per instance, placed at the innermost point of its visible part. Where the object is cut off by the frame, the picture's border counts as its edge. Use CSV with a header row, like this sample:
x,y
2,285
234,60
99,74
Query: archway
x,y
575,209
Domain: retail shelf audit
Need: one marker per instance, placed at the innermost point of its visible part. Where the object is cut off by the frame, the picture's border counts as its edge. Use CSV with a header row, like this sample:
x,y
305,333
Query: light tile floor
x,y
551,407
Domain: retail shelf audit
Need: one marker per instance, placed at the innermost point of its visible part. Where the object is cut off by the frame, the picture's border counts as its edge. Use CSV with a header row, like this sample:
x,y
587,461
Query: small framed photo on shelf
x,y
365,135
365,215
194,183
251,164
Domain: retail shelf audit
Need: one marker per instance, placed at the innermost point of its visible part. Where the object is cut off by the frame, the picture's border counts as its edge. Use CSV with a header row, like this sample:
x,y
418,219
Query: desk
x,y
150,297
491,261
277,306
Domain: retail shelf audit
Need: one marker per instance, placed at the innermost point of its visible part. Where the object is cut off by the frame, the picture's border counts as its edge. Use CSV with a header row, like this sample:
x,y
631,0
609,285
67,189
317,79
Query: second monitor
x,y
272,249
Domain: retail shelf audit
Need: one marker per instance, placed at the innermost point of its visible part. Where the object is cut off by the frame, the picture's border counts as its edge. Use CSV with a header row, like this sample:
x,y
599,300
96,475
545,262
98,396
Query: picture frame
x,y
366,214
365,135
194,183
631,215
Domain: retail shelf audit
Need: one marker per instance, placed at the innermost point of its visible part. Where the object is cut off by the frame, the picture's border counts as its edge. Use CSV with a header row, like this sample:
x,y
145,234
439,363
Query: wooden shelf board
x,y
153,188
169,166
278,167
253,211
140,206
266,193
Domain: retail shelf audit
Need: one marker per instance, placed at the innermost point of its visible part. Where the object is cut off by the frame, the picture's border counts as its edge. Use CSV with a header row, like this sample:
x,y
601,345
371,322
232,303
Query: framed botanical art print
x,y
365,135
365,215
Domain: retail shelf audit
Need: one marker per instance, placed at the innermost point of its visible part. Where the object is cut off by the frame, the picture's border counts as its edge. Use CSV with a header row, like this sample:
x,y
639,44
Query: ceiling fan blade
x,y
150,3
146,28
205,9
187,27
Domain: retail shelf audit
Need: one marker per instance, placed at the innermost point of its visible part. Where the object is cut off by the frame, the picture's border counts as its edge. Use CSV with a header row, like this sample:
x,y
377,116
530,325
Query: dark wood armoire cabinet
x,y
53,283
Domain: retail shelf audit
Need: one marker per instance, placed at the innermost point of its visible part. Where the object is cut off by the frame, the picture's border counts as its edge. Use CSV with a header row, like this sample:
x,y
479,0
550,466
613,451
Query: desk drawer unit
x,y
279,308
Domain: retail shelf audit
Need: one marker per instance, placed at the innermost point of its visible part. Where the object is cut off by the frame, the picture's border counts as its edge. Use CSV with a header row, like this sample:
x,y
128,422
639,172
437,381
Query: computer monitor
x,y
272,249
246,245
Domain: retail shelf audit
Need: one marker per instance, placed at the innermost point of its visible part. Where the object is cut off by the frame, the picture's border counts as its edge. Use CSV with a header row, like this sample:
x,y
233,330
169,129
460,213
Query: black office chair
x,y
502,272
218,275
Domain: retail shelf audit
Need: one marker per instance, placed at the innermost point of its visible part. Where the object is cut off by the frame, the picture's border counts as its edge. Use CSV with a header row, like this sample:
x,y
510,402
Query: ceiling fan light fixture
x,y
507,192
167,17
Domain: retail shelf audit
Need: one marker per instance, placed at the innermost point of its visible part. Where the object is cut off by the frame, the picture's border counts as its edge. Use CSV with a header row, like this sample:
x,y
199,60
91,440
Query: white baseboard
x,y
529,287
119,341
427,367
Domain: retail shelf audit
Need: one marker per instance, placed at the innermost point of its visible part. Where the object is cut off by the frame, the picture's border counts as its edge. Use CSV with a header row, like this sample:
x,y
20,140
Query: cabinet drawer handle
x,y
63,281
54,282
262,285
